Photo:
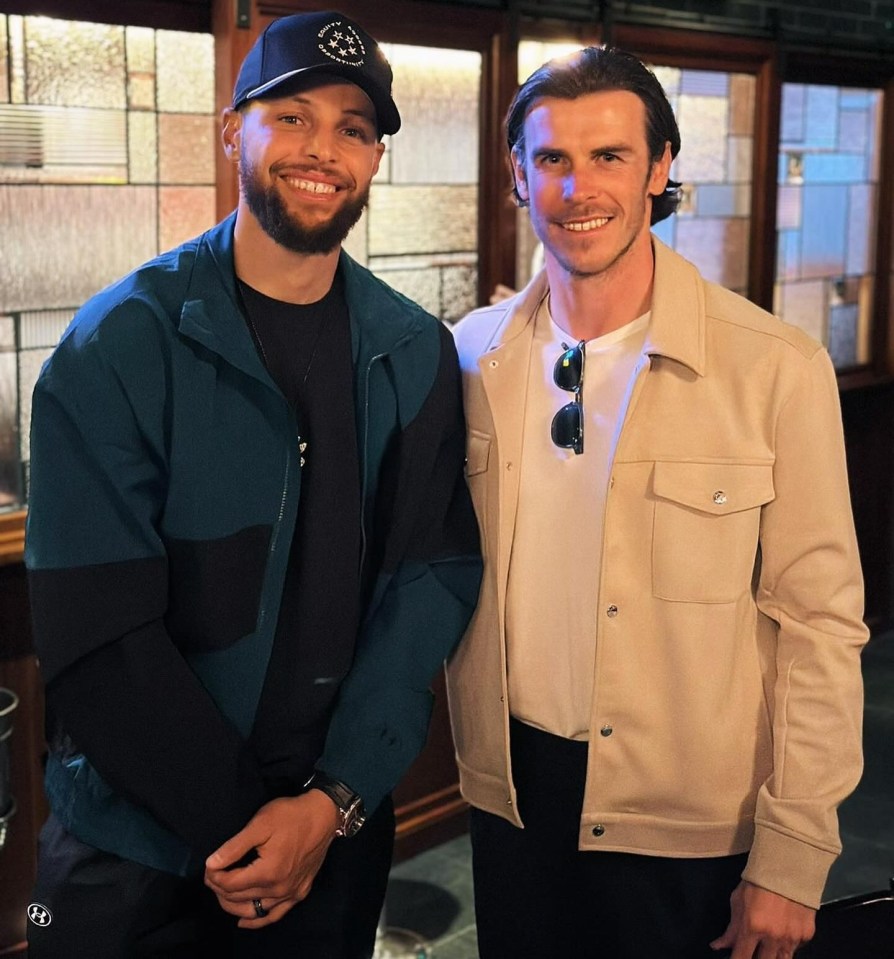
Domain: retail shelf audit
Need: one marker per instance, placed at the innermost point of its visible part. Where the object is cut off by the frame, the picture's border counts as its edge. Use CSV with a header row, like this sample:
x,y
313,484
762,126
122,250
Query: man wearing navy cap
x,y
250,546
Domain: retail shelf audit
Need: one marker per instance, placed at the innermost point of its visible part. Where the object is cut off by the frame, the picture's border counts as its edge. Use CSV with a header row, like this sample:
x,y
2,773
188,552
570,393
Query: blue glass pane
x,y
843,334
708,83
823,237
793,100
821,130
834,168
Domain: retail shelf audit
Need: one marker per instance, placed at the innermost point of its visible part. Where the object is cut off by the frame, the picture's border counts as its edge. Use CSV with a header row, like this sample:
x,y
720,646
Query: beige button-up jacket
x,y
727,684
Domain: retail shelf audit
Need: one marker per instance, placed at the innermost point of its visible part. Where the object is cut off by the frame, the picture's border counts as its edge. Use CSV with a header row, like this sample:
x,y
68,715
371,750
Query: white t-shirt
x,y
555,563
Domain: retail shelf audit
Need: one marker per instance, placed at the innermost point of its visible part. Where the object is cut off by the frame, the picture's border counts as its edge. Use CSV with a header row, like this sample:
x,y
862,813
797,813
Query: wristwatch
x,y
349,804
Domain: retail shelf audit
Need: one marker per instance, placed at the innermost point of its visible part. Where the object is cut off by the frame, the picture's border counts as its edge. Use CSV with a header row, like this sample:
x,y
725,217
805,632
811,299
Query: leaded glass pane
x,y
142,145
422,219
438,90
4,62
74,64
184,212
140,68
826,215
185,72
719,245
186,148
16,28
715,114
60,244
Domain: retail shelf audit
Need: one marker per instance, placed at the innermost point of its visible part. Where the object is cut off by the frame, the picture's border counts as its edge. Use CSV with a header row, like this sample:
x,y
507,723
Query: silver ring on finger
x,y
260,911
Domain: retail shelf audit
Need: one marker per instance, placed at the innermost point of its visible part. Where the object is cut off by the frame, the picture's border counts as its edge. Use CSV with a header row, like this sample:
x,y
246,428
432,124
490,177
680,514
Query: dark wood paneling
x,y
868,415
161,14
18,672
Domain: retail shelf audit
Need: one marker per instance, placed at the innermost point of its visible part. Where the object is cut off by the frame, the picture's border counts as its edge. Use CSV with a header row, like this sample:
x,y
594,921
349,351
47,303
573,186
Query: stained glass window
x,y
715,114
826,215
107,151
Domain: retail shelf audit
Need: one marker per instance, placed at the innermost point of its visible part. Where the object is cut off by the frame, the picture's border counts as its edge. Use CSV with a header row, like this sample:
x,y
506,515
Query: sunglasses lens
x,y
569,368
566,428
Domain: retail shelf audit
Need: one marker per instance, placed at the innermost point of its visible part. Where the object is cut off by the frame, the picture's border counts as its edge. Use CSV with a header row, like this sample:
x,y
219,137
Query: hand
x,y
291,837
765,921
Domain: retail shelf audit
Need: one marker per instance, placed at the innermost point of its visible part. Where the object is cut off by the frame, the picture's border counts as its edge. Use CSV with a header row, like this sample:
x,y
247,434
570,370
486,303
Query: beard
x,y
285,228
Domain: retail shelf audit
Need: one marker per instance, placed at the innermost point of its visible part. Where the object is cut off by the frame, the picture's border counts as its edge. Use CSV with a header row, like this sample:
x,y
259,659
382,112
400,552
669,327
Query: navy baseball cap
x,y
326,42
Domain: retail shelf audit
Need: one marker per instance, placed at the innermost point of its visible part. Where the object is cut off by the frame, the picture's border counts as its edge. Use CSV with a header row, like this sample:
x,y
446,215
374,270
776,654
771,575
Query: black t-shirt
x,y
307,350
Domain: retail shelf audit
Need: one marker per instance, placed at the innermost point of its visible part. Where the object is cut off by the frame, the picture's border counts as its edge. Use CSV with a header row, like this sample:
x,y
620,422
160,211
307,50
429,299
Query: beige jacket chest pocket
x,y
706,528
477,456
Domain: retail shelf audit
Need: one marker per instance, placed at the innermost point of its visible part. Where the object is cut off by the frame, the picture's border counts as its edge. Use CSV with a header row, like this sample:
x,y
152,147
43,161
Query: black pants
x,y
538,897
104,907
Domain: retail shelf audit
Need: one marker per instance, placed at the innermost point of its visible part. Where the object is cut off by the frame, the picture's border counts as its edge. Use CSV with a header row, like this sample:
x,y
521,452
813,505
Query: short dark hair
x,y
601,70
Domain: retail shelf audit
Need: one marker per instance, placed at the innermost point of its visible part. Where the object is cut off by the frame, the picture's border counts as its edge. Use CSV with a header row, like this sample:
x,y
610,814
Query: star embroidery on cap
x,y
343,45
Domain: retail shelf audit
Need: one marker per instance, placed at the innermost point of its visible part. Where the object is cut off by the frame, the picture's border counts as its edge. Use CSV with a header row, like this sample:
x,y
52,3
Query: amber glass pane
x,y
184,212
140,68
186,148
826,218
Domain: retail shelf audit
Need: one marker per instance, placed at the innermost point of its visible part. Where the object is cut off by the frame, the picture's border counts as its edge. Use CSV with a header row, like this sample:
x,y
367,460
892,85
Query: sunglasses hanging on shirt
x,y
568,424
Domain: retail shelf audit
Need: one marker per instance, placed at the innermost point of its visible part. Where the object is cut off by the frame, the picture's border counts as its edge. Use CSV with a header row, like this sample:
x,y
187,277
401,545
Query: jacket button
x,y
599,830
606,730
612,611
719,497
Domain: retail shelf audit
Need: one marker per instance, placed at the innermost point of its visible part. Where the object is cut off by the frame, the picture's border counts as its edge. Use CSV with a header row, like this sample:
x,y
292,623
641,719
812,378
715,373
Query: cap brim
x,y
387,117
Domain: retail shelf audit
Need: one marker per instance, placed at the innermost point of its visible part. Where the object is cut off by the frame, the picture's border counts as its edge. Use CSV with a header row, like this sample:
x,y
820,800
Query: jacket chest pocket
x,y
706,528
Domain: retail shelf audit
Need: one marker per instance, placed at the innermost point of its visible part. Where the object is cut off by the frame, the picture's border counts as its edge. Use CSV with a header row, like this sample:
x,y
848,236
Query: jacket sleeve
x,y
381,720
118,690
811,588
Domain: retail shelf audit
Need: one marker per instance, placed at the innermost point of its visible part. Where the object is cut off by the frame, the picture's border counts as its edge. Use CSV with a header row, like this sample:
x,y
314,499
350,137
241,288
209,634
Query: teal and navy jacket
x,y
165,481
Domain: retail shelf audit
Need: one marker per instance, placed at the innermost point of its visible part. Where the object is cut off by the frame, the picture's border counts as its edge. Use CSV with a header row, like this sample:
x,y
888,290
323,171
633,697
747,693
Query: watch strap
x,y
349,803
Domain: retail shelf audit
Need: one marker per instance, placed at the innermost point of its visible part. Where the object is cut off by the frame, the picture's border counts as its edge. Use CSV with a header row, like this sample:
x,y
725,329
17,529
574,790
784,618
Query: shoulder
x,y
744,318
476,332
732,318
124,324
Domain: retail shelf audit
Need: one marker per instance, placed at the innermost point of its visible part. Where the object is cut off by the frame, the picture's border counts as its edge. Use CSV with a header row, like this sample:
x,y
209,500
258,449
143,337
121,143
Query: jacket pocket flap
x,y
715,488
477,452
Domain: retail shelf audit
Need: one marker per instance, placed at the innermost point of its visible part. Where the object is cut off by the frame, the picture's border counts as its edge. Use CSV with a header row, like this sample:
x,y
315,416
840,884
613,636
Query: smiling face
x,y
588,177
305,163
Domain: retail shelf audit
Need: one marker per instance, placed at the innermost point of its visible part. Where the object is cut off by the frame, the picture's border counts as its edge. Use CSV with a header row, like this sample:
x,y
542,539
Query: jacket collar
x,y
211,313
677,326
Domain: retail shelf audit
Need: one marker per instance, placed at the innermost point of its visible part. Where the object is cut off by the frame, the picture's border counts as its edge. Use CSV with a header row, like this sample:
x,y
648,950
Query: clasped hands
x,y
291,837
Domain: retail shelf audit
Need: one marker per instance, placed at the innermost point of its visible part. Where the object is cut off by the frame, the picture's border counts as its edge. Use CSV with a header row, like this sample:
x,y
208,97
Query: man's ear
x,y
518,173
660,172
231,133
